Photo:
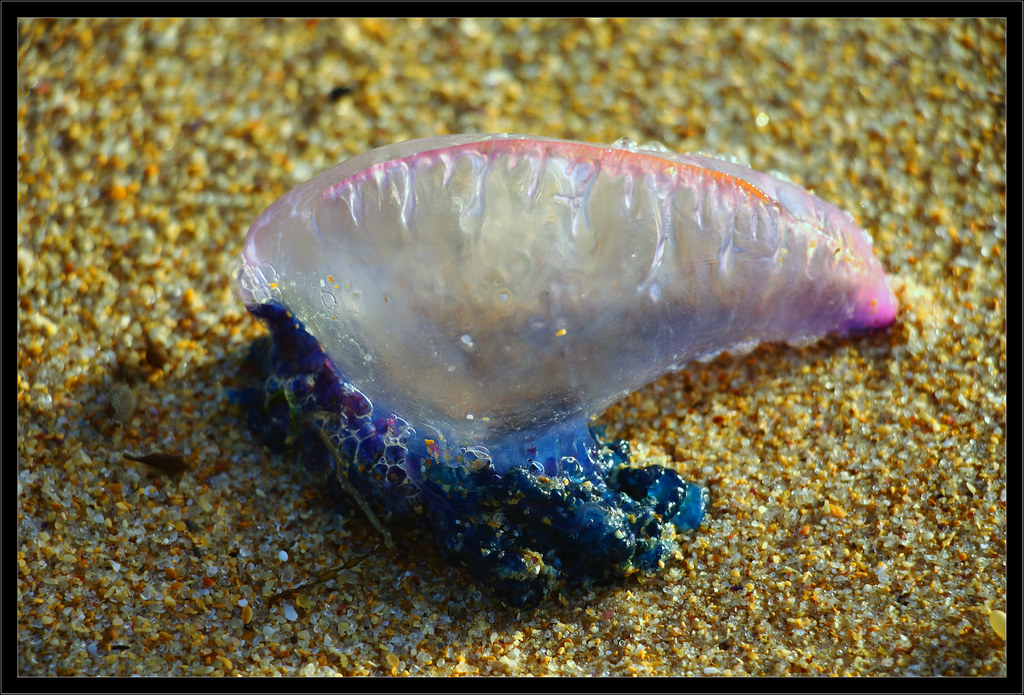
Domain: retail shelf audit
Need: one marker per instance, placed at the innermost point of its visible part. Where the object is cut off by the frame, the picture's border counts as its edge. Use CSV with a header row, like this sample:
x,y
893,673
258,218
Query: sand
x,y
858,486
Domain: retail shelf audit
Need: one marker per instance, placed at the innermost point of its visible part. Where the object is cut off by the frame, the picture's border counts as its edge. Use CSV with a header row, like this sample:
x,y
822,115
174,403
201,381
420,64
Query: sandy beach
x,y
857,524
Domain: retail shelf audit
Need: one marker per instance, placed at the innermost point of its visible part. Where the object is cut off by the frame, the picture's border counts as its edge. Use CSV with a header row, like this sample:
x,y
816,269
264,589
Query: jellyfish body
x,y
456,311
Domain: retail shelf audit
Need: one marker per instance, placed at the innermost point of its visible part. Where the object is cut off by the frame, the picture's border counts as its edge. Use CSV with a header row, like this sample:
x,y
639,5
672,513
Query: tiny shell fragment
x,y
122,401
998,621
169,464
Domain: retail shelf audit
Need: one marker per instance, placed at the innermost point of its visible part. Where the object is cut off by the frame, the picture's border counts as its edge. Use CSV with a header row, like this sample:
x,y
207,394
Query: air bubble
x,y
653,146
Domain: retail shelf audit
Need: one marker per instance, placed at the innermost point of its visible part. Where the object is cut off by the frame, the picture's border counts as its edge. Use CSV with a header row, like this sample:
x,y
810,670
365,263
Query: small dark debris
x,y
156,353
122,373
120,647
340,91
169,464
735,587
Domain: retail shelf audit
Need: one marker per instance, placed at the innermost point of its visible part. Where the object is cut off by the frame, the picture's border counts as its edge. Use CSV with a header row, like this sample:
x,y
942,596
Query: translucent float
x,y
448,317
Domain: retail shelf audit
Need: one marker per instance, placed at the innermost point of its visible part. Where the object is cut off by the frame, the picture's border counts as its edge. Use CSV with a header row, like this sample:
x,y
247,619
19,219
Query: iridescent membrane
x,y
452,313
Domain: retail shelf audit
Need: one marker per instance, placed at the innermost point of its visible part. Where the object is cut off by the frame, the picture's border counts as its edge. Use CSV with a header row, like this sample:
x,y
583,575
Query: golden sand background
x,y
858,486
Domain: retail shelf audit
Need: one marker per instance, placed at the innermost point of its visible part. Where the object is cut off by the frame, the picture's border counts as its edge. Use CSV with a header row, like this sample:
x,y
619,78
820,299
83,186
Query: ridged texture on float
x,y
450,313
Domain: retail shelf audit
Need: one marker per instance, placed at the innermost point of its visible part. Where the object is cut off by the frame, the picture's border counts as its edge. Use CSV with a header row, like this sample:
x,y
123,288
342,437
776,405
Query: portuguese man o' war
x,y
448,315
